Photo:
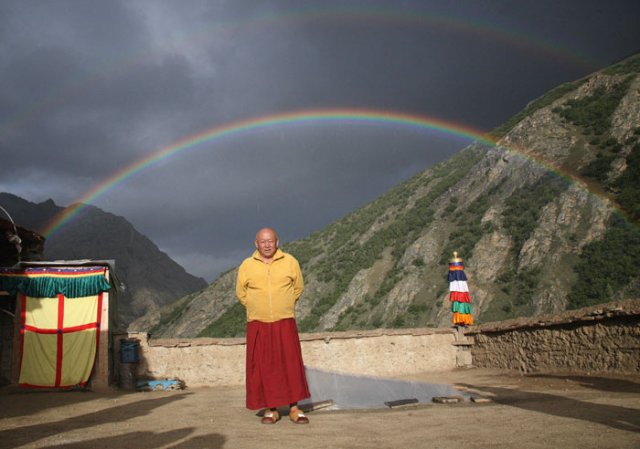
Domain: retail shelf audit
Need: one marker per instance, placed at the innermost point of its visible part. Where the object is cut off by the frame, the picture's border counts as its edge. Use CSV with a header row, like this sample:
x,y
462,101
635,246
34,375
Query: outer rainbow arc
x,y
495,32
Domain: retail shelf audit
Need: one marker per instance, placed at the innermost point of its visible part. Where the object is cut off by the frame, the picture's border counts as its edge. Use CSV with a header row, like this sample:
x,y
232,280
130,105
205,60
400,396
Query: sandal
x,y
298,417
270,417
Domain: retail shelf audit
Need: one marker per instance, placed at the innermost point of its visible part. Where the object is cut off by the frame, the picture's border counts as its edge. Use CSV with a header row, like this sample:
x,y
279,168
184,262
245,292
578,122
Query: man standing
x,y
268,286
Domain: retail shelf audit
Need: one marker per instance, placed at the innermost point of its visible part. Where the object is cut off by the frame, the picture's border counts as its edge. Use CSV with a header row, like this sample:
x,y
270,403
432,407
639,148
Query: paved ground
x,y
535,411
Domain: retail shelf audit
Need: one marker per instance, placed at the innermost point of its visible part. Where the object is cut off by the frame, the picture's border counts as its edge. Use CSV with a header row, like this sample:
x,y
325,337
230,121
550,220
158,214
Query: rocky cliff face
x,y
151,278
540,218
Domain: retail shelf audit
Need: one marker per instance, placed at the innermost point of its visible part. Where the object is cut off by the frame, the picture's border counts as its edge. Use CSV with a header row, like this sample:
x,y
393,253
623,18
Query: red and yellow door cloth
x,y
59,322
459,293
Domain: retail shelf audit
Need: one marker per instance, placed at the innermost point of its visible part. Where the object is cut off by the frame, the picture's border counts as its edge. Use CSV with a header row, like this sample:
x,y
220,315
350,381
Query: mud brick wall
x,y
602,339
384,352
595,340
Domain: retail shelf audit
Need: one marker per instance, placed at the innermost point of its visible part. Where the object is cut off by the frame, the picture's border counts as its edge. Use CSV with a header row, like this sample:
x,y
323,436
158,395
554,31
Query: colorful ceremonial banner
x,y
459,293
60,331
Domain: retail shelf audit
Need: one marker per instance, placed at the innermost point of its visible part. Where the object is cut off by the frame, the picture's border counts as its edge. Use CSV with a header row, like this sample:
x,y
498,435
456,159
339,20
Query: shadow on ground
x,y
150,440
120,413
596,383
614,416
49,399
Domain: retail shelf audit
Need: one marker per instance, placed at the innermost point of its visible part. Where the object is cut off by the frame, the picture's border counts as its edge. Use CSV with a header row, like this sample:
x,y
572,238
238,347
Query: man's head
x,y
267,243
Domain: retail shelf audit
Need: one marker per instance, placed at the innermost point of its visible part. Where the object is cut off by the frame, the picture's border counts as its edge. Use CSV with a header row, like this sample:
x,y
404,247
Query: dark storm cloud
x,y
110,119
91,87
102,31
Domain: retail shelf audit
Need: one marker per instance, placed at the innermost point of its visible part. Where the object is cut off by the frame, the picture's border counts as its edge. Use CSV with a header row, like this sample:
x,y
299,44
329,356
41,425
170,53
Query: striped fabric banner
x,y
459,293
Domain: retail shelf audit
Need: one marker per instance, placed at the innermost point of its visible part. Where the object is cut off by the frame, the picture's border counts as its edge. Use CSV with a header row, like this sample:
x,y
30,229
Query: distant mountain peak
x,y
152,278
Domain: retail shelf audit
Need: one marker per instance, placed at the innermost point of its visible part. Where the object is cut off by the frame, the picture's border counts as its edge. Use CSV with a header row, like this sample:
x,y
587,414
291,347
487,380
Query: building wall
x,y
204,361
595,340
6,340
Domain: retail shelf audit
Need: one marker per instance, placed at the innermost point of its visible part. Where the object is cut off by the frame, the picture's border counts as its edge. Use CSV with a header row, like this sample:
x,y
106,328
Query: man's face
x,y
267,243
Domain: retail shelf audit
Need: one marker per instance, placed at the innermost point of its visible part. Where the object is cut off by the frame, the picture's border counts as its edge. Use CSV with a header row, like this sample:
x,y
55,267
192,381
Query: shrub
x,y
593,113
599,167
232,323
532,107
523,208
606,266
629,65
628,185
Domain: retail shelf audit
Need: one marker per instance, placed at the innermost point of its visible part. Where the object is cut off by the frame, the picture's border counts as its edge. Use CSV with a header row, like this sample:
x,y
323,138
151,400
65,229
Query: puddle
x,y
362,392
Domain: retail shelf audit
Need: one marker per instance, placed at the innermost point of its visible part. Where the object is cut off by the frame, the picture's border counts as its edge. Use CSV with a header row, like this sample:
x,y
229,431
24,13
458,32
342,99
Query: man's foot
x,y
298,417
270,417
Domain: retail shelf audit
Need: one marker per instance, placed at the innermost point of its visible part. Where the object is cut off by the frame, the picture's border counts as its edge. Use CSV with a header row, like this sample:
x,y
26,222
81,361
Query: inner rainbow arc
x,y
366,116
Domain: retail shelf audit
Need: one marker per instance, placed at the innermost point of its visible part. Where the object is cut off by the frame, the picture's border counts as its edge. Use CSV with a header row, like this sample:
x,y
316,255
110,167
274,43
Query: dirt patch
x,y
533,411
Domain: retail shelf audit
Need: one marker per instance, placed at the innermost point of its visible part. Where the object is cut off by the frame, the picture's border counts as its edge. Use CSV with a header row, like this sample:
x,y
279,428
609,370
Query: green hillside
x,y
551,226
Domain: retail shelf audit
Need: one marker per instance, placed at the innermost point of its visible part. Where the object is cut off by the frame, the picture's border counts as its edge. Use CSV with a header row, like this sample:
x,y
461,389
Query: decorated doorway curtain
x,y
60,322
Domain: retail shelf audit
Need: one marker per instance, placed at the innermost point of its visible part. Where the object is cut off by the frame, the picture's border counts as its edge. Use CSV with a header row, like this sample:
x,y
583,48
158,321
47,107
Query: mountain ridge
x,y
534,241
151,278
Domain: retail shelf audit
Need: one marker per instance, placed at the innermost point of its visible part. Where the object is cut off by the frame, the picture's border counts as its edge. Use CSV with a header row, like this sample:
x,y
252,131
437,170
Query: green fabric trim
x,y
50,287
461,307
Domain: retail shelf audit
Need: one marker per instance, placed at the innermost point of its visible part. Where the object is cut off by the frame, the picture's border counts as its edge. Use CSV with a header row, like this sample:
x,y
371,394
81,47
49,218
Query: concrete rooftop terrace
x,y
526,411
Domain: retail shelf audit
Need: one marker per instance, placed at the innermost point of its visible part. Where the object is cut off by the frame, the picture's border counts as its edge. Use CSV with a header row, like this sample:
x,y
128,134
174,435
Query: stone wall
x,y
604,339
385,352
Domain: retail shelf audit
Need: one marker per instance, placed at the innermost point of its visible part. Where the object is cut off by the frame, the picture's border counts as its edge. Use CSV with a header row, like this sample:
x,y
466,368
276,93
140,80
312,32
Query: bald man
x,y
269,284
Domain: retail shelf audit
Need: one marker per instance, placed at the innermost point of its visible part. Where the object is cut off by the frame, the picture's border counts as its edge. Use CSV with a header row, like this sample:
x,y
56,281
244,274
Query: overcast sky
x,y
89,88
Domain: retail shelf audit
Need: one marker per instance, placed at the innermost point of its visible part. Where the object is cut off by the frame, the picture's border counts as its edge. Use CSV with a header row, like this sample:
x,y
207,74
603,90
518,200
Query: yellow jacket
x,y
269,291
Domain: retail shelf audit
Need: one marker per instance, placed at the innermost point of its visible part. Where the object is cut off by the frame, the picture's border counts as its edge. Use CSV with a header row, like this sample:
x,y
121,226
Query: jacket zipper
x,y
270,298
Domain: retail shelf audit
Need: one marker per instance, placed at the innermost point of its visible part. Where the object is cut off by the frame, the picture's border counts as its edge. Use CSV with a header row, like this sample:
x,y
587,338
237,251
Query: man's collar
x,y
279,254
